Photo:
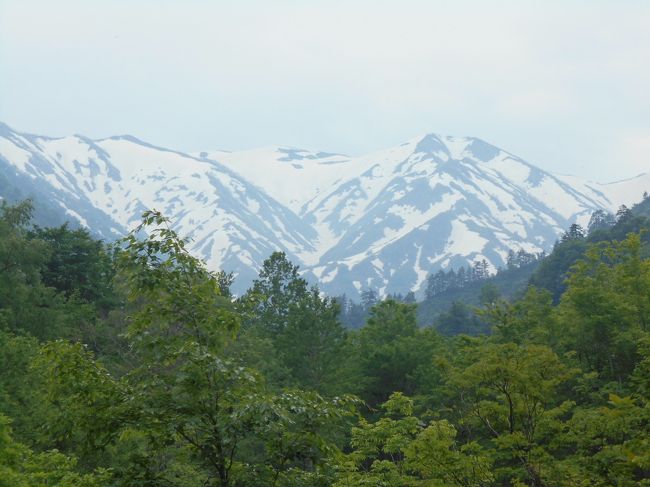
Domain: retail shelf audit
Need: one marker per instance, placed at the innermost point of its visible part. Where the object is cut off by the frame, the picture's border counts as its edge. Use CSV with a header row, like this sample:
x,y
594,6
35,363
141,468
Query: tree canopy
x,y
134,365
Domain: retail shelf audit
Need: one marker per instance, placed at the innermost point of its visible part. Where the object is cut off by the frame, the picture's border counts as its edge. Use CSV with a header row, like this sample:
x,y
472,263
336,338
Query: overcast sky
x,y
563,84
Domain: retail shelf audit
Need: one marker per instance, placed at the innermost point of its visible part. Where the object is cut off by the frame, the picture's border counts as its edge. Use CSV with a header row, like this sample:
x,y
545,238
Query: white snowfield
x,y
382,220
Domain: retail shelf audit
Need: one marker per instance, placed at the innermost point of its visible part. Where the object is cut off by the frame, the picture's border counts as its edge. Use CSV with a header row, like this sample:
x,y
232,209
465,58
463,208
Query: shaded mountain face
x,y
384,220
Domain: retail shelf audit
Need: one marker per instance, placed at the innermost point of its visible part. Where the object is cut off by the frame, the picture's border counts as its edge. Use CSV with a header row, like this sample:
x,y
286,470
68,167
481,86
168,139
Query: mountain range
x,y
384,220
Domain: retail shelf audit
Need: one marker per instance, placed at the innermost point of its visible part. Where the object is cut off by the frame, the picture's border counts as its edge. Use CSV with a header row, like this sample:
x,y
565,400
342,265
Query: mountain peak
x,y
383,220
455,147
128,138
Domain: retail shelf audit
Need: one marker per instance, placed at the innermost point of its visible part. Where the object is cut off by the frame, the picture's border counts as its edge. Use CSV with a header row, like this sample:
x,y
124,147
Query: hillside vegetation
x,y
133,365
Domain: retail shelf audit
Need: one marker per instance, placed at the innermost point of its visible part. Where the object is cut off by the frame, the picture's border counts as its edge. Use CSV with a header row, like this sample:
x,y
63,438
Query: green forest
x,y
131,364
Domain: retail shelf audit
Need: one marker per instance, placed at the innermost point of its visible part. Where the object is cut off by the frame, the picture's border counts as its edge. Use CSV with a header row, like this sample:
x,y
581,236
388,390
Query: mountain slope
x,y
382,220
445,202
107,184
291,176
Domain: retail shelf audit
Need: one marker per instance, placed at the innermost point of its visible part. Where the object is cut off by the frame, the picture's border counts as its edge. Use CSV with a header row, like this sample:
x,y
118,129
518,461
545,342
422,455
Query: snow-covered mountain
x,y
383,220
107,184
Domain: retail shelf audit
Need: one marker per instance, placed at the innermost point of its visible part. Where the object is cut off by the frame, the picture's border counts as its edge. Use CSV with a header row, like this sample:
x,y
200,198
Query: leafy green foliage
x,y
312,342
172,294
19,386
139,368
460,318
77,264
278,286
390,350
399,450
608,301
507,392
553,271
21,467
302,329
87,403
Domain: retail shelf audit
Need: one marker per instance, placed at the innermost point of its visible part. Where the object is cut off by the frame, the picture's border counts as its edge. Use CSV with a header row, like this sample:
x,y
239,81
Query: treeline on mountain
x,y
354,315
573,245
133,365
450,303
466,286
451,307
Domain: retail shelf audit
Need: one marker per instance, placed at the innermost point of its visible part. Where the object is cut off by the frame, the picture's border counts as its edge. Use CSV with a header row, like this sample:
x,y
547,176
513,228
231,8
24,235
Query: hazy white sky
x,y
563,84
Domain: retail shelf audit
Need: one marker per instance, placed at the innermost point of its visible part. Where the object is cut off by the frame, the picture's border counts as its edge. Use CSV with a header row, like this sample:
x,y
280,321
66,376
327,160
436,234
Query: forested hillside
x,y
453,298
133,365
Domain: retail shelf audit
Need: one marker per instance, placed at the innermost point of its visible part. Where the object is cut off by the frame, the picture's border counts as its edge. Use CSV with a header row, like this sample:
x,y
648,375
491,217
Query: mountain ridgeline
x,y
382,221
